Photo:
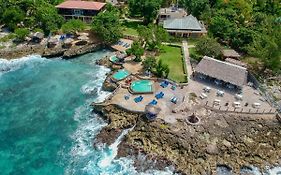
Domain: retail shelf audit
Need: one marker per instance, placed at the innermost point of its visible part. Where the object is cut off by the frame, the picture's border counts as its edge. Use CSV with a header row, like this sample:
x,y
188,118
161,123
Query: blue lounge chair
x,y
138,99
153,102
164,84
159,95
174,100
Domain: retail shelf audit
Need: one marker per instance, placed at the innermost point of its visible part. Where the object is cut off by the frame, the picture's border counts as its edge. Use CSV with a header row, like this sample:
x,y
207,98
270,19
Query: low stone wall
x,y
241,110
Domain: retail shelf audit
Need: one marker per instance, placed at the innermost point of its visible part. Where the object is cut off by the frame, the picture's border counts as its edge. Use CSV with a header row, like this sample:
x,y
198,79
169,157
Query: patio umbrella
x,y
153,110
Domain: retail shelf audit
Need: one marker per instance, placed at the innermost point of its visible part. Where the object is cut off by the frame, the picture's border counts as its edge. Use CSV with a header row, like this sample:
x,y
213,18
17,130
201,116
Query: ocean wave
x,y
93,88
273,171
15,64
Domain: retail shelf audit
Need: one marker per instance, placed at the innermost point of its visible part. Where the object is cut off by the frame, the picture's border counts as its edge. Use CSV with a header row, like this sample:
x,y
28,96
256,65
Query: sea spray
x,y
112,150
15,64
273,171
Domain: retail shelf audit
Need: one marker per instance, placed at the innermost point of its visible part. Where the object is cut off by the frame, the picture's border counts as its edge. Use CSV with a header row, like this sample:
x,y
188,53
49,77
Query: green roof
x,y
185,23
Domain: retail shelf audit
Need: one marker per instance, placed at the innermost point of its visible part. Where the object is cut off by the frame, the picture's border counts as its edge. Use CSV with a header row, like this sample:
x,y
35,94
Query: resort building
x,y
185,26
170,13
233,76
83,10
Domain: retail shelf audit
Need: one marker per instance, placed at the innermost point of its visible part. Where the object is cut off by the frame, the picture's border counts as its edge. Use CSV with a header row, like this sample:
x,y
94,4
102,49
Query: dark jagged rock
x,y
75,51
108,85
224,139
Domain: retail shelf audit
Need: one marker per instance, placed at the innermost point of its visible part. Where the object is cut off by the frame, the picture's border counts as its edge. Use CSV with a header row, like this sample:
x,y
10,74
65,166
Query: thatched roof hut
x,y
230,53
68,42
53,41
37,37
227,72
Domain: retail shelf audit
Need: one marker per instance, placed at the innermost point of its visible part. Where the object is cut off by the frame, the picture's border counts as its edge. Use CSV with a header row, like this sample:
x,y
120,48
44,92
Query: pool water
x,y
114,59
142,86
121,74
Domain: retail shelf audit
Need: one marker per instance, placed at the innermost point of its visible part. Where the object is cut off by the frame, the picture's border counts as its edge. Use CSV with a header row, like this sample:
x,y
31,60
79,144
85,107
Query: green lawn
x,y
192,51
130,28
173,57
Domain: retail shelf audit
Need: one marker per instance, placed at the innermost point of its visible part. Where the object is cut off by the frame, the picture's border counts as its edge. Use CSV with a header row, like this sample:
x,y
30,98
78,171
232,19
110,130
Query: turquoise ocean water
x,y
46,124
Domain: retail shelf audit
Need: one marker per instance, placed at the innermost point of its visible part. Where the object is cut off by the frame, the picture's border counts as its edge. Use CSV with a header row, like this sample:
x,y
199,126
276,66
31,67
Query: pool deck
x,y
164,103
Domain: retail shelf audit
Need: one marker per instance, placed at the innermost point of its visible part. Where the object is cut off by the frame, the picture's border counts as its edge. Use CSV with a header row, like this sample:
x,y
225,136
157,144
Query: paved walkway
x,y
187,60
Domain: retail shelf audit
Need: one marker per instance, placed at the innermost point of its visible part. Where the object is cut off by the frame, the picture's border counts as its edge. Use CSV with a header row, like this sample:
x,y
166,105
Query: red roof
x,y
85,5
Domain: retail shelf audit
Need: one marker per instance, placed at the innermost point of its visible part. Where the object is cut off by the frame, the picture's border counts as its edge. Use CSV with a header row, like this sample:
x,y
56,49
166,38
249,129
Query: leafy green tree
x,y
242,38
153,36
221,27
136,50
162,70
21,33
48,18
73,25
145,8
13,16
196,7
268,49
209,47
107,26
149,64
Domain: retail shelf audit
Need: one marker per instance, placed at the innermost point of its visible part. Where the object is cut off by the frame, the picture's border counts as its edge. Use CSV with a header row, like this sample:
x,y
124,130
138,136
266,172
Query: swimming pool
x,y
114,59
121,74
142,86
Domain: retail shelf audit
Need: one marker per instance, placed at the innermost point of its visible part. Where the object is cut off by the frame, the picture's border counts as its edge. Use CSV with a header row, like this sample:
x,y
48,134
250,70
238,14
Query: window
x,y
77,12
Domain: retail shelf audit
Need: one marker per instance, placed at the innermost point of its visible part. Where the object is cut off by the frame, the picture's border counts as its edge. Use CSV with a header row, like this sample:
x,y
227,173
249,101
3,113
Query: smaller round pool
x,y
114,59
142,86
121,74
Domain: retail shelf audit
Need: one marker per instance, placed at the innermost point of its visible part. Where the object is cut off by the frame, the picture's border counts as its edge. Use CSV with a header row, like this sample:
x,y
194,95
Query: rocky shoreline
x,y
230,140
220,139
42,50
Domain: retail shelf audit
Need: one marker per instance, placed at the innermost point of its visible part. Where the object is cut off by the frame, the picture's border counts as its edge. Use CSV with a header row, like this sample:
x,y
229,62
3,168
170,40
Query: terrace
x,y
124,99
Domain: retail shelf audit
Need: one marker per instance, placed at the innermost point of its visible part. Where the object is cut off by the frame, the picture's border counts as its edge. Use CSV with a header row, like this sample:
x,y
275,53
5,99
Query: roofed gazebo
x,y
223,71
151,111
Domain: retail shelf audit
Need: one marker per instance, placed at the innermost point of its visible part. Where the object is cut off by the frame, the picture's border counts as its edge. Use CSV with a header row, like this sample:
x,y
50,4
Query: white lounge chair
x,y
236,104
238,97
203,96
256,105
217,102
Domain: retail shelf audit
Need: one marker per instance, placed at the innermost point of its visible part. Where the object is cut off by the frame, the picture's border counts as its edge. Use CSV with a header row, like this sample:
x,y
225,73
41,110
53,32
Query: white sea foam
x,y
250,170
273,171
14,64
113,149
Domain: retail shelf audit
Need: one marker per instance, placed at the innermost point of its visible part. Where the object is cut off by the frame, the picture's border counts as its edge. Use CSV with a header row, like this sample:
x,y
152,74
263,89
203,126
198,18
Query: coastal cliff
x,y
39,49
229,140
